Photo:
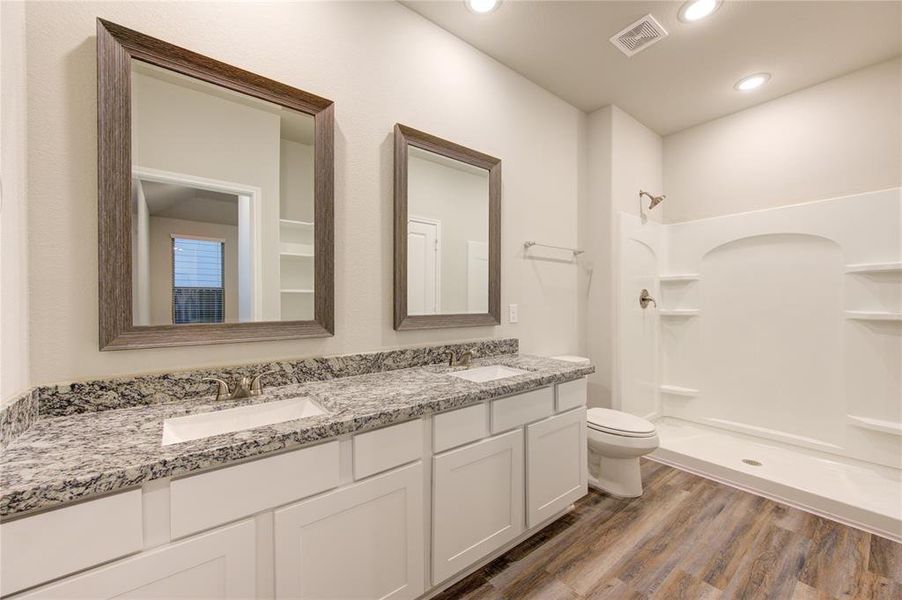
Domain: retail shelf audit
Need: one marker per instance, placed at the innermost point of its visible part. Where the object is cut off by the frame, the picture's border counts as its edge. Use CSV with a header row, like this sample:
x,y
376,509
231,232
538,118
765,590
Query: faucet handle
x,y
222,388
256,386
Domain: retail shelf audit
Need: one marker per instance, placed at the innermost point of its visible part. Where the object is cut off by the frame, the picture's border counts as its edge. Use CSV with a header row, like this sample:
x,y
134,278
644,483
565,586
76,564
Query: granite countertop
x,y
68,458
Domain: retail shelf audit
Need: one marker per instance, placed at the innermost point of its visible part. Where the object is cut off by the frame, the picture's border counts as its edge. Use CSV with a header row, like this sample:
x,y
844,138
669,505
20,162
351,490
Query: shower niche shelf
x,y
676,390
679,312
871,315
685,278
881,425
865,268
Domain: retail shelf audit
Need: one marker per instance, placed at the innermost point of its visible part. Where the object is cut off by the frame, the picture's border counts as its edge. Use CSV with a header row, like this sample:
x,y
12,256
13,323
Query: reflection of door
x,y
249,277
423,260
477,277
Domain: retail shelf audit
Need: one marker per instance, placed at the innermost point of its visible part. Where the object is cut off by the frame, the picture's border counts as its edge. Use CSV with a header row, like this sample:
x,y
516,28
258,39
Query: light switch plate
x,y
512,313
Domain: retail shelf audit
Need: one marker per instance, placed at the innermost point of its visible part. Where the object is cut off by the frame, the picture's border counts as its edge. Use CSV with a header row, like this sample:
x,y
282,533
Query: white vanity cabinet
x,y
490,492
361,541
556,456
477,501
217,564
62,541
387,513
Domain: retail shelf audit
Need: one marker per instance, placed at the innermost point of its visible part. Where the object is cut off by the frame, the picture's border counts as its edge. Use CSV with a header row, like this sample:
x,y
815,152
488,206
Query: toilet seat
x,y
619,423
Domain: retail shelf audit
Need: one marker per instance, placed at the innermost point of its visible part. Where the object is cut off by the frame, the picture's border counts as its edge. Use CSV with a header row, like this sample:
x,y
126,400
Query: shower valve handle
x,y
645,298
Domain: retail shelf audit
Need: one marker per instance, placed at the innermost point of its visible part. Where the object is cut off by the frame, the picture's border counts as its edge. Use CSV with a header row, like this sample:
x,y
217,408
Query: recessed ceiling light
x,y
695,10
482,7
747,84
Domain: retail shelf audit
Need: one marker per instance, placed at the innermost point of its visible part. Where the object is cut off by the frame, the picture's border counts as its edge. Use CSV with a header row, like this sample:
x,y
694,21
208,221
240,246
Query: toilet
x,y
616,442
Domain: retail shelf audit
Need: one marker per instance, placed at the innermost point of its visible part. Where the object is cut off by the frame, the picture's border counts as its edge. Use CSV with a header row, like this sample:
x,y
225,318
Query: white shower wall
x,y
637,357
781,323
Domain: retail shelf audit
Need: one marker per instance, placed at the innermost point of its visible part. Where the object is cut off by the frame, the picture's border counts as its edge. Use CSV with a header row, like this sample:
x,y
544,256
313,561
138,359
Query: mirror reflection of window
x,y
447,235
211,162
198,273
169,212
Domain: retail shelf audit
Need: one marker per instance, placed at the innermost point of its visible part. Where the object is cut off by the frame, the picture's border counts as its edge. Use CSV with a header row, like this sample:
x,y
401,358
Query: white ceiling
x,y
175,201
688,77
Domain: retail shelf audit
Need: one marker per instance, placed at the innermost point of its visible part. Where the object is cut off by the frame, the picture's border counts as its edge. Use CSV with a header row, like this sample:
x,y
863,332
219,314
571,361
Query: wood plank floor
x,y
690,538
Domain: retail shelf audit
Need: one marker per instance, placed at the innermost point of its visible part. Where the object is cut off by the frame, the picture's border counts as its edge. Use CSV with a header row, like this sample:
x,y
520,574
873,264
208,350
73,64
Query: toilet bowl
x,y
616,441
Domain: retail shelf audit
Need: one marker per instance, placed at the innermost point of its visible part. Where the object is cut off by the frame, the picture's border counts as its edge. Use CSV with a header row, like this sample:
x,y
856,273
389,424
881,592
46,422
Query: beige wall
x,y
837,138
596,240
161,231
459,200
14,376
382,64
637,164
624,156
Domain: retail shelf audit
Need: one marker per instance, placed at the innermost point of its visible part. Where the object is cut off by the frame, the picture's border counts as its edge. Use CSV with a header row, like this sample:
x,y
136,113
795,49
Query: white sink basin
x,y
201,425
490,373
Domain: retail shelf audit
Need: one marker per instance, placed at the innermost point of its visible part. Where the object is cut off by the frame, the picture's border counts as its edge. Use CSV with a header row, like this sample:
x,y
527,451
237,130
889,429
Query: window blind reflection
x,y
197,280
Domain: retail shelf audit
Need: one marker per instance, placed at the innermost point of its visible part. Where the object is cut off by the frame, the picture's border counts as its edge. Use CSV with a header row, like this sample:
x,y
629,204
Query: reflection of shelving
x,y
291,249
893,427
872,315
295,238
296,224
679,312
888,267
296,268
676,390
679,278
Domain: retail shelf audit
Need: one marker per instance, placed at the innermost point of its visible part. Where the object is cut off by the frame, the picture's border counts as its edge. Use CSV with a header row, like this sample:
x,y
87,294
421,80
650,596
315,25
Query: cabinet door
x,y
556,462
218,564
477,502
362,541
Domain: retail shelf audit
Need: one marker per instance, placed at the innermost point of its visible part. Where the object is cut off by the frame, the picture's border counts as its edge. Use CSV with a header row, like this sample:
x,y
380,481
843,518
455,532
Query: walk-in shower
x,y
778,344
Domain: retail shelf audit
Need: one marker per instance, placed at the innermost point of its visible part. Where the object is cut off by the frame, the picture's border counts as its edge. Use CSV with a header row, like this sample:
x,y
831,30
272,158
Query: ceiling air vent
x,y
639,35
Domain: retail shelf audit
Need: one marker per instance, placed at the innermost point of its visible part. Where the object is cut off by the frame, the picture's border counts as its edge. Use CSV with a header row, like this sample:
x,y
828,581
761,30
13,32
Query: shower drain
x,y
752,462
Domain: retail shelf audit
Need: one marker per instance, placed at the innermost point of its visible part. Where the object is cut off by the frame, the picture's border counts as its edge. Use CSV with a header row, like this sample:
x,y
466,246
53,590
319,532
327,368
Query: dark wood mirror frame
x,y
116,47
405,137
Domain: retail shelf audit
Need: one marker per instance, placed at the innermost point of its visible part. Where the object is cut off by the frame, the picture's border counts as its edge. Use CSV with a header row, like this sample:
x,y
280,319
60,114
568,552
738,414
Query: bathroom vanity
x,y
410,479
380,475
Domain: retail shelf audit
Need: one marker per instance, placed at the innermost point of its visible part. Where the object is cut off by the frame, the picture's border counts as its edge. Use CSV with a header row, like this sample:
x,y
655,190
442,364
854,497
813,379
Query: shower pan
x,y
777,351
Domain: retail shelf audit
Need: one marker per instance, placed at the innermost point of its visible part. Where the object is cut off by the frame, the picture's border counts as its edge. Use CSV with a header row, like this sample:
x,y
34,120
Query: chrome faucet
x,y
645,298
244,387
461,360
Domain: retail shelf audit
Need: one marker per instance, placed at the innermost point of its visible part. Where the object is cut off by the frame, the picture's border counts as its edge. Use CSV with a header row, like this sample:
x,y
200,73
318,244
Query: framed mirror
x,y
447,233
215,200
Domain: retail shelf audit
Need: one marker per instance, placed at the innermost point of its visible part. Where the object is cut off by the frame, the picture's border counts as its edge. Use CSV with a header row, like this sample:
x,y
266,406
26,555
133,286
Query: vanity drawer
x,y
62,541
515,411
459,427
386,448
571,394
202,501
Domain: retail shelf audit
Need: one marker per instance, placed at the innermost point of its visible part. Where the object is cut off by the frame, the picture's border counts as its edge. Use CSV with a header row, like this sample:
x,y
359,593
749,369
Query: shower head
x,y
653,200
